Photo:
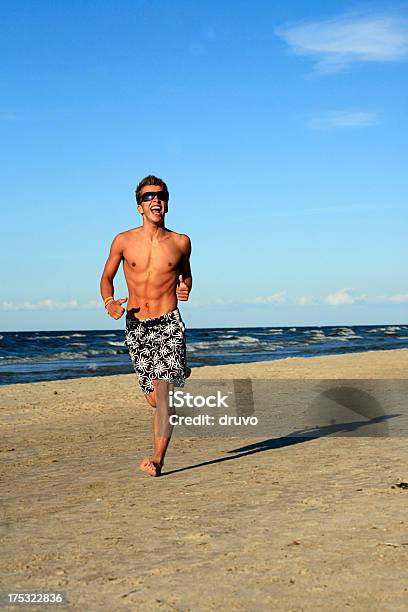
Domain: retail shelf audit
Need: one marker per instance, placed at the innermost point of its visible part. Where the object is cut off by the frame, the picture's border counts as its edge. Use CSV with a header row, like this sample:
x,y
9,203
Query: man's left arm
x,y
185,279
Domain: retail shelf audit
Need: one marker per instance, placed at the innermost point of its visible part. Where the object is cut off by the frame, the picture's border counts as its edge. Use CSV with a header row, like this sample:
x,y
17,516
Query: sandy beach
x,y
234,523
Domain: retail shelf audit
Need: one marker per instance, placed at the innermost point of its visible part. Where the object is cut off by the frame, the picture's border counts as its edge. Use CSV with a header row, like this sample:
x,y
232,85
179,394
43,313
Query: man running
x,y
156,264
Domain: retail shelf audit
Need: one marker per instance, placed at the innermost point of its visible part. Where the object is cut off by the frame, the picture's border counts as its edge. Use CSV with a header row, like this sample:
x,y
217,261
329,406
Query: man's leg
x,y
161,428
151,398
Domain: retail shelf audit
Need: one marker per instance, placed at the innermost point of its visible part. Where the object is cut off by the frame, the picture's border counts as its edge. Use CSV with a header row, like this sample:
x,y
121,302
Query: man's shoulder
x,y
127,234
180,238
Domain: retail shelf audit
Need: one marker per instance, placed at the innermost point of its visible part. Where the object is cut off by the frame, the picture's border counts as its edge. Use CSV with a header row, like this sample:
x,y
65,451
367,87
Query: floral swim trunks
x,y
157,348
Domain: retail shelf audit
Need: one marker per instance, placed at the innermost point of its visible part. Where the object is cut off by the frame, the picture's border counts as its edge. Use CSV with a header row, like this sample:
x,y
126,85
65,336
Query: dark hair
x,y
150,180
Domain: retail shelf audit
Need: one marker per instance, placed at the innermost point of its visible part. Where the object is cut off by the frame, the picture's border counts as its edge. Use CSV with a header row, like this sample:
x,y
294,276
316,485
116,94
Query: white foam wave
x,y
345,333
48,337
316,335
390,329
116,343
241,340
345,338
222,343
69,355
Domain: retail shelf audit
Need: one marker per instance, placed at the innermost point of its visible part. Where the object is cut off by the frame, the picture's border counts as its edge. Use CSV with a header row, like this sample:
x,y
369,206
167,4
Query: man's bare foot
x,y
187,372
153,468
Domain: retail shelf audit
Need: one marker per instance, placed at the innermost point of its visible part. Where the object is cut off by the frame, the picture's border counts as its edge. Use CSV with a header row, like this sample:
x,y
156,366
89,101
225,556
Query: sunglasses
x,y
150,195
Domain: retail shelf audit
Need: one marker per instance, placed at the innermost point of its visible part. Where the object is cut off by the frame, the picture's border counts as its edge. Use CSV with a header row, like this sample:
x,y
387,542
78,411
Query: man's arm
x,y
109,272
185,281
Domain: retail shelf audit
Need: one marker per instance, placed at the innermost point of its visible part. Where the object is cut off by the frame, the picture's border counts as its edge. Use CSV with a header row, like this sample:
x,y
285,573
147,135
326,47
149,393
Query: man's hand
x,y
182,290
115,309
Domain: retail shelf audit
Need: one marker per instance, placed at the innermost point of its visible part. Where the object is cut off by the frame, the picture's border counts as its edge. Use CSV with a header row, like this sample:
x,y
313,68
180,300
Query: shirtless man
x,y
156,264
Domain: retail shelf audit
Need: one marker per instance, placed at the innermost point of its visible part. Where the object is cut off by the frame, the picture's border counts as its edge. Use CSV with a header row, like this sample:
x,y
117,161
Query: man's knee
x,y
161,391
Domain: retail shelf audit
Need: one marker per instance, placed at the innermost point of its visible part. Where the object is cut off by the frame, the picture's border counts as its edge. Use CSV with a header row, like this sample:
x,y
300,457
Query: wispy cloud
x,y
337,298
337,43
49,304
399,298
275,298
343,296
305,300
331,120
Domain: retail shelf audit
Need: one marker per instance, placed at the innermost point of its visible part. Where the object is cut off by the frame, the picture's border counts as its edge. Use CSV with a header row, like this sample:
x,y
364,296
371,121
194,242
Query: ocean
x,y
39,356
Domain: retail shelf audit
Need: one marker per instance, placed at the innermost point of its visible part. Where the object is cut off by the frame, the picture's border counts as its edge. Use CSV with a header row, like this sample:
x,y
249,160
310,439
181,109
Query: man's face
x,y
154,208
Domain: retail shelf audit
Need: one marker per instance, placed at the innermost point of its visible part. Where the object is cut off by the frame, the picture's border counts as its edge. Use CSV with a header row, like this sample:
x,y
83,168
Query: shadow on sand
x,y
330,404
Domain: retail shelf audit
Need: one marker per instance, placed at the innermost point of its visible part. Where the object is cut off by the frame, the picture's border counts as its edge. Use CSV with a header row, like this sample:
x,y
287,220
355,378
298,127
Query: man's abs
x,y
144,305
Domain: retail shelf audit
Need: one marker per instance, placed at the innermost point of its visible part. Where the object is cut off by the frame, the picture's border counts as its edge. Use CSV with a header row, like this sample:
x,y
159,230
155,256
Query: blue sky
x,y
281,131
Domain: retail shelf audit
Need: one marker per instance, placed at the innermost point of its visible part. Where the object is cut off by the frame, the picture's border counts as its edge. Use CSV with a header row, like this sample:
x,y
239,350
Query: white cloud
x,y
337,43
339,297
342,119
275,298
49,304
398,297
344,296
305,300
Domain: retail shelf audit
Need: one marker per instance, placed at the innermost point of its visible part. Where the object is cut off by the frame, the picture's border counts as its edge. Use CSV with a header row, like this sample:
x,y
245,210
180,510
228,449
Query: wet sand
x,y
234,523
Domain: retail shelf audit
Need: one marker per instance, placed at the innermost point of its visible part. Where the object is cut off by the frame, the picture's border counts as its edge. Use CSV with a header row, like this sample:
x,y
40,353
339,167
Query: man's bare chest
x,y
160,256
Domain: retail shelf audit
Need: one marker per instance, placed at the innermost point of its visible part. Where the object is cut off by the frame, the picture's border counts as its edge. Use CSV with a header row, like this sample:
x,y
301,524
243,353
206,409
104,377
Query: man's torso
x,y
151,268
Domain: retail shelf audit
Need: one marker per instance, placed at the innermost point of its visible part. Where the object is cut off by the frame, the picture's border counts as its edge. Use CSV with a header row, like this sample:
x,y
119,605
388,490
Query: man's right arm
x,y
109,273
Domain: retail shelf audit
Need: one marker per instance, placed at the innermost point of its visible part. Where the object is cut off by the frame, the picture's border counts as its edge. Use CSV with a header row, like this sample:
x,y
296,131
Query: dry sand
x,y
240,524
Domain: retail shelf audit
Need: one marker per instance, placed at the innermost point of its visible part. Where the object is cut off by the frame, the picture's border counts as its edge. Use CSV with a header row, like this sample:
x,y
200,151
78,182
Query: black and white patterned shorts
x,y
157,348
